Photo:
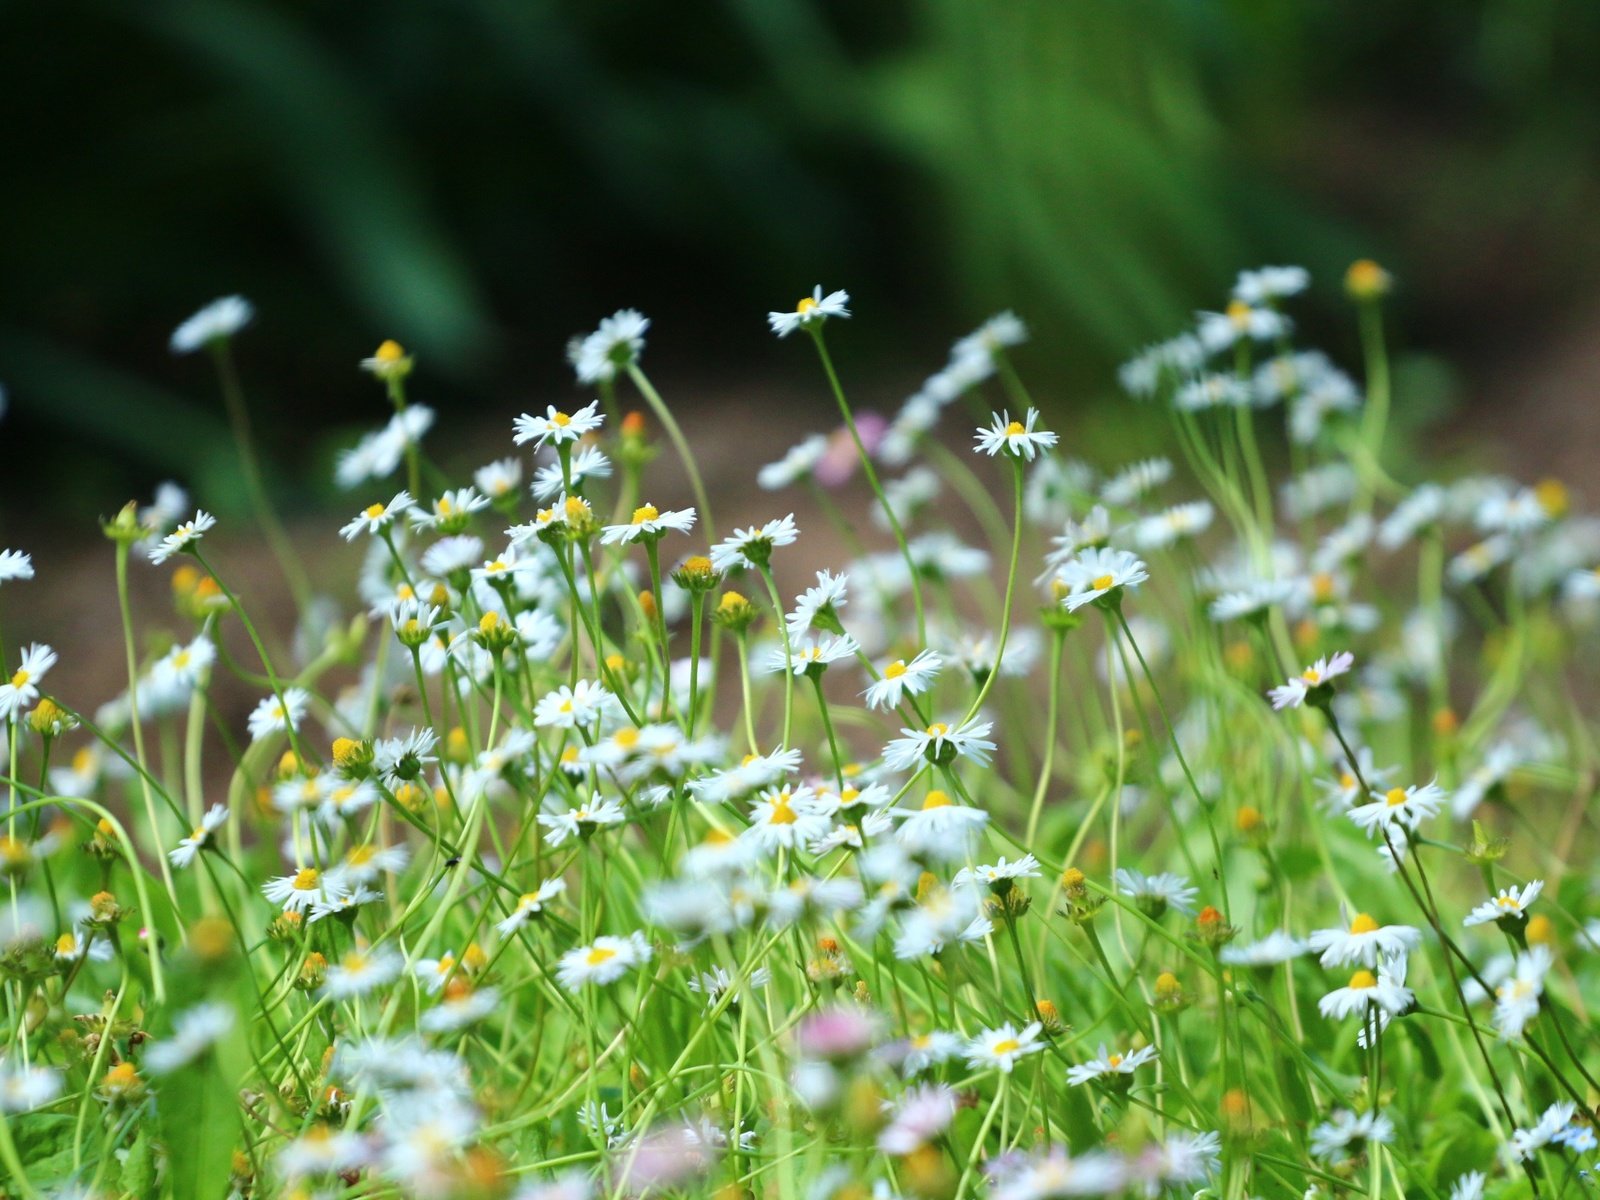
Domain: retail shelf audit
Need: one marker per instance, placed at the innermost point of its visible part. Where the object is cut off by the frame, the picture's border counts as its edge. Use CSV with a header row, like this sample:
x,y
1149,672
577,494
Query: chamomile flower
x,y
811,310
450,511
361,971
375,518
1241,321
183,537
1154,894
901,678
500,479
195,1031
214,323
298,892
185,851
818,607
568,707
1366,993
1345,1133
940,830
1510,905
1517,999
1018,439
648,524
1364,942
812,655
940,744
1100,573
797,464
1178,523
588,462
603,961
1004,1046
1405,808
753,547
557,427
1552,1123
998,877
14,564
1104,1064
616,344
276,714
531,905
18,693
581,820
1318,675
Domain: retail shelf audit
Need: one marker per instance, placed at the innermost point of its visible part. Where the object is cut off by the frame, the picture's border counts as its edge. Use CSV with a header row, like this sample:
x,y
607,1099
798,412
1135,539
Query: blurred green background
x,y
481,179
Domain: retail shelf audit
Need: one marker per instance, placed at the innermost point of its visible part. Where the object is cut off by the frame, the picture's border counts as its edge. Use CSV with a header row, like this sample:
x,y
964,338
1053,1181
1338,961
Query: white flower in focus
x,y
1105,1064
1364,942
185,851
181,538
377,517
811,310
753,547
274,715
1319,674
1099,572
1003,1047
557,427
1512,903
1018,439
648,523
18,694
901,678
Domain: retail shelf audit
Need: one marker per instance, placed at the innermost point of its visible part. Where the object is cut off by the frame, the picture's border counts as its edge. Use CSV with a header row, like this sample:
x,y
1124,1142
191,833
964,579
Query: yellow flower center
x,y
1114,1060
389,352
1311,675
527,899
938,729
305,879
895,669
1102,583
1239,314
374,510
598,955
355,962
67,943
20,678
1015,428
1395,797
1007,1046
360,855
1506,902
1363,924
1362,980
782,812
561,419
197,834
936,799
806,306
1347,780
645,512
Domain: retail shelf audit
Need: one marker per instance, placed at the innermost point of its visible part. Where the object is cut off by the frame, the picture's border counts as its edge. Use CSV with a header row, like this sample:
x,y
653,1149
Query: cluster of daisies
x,y
971,821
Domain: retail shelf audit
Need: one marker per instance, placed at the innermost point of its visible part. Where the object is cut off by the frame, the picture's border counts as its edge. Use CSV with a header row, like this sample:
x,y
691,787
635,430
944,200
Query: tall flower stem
x,y
679,443
872,478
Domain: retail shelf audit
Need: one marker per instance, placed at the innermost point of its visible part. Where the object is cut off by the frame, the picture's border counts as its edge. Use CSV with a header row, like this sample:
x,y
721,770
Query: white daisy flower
x,y
361,971
450,510
587,463
273,715
500,479
1275,948
811,310
298,892
1241,321
1166,529
1511,904
1318,675
1364,942
939,829
1385,992
377,517
582,703
194,1032
1266,284
1405,808
1004,1046
1554,1121
1517,999
1333,1140
900,678
215,322
603,961
24,1088
616,344
1154,894
14,564
530,905
818,607
184,852
998,877
812,655
648,524
557,427
18,694
941,745
1136,480
1099,572
1105,1064
797,464
753,547
183,537
582,820
1018,439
